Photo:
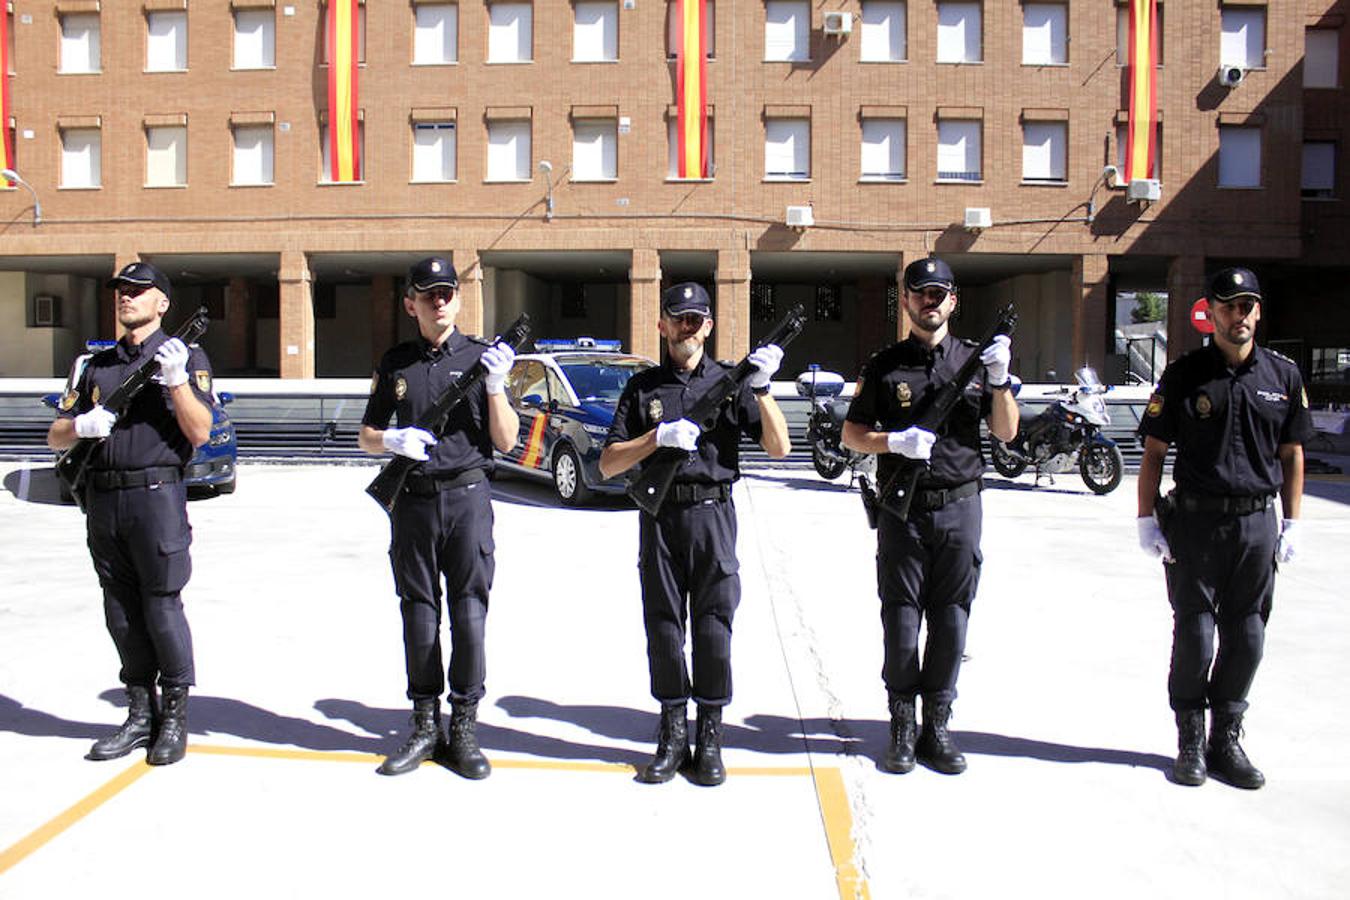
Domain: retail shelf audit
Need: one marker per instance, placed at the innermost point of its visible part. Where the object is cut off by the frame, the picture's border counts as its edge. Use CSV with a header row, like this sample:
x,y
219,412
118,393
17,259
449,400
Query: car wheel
x,y
567,480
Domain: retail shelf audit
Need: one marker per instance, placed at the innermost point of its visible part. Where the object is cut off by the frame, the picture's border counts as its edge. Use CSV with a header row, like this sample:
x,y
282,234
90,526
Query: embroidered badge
x,y
94,395
904,394
203,380
400,388
1155,405
68,400
1203,406
655,410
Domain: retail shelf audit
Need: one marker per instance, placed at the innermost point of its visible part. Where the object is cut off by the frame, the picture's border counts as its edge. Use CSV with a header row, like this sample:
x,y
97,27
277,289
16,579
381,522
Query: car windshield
x,y
601,378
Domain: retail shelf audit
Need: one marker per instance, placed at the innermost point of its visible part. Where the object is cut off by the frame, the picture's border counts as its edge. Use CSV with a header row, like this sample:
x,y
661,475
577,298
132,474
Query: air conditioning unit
x,y
1144,189
978,217
800,217
1231,76
838,23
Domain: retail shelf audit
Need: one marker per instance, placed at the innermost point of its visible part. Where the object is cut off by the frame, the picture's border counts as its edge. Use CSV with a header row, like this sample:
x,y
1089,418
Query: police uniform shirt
x,y
1227,424
146,433
662,394
412,377
900,380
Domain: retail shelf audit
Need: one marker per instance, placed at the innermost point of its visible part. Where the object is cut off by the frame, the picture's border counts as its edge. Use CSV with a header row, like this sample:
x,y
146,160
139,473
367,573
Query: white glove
x,y
914,442
996,358
172,357
766,361
409,442
97,423
681,433
497,359
1286,548
1151,539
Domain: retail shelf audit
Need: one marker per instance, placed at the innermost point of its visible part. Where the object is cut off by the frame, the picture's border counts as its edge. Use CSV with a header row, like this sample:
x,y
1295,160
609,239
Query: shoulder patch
x,y
203,379
1275,354
69,399
1155,405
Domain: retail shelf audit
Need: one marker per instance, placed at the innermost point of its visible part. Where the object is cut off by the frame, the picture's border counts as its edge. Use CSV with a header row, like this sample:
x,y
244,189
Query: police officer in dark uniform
x,y
136,508
687,558
442,524
1238,416
928,565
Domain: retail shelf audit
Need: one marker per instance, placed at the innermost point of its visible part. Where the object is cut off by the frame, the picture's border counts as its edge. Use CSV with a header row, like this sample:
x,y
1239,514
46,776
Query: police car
x,y
212,467
565,393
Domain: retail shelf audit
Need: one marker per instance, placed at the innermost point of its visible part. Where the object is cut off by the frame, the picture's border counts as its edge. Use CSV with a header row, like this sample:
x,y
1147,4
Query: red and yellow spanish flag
x,y
6,111
691,83
1141,132
344,145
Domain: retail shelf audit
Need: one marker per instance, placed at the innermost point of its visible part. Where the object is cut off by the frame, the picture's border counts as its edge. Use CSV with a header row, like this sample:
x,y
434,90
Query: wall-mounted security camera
x,y
1231,76
1111,177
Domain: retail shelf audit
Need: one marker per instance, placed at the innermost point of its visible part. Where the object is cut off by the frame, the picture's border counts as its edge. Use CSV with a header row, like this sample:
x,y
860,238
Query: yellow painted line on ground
x,y
25,847
839,833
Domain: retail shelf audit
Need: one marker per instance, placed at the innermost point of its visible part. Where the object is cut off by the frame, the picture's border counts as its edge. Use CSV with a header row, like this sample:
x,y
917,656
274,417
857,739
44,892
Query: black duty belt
x,y
430,484
1219,503
935,498
116,479
689,493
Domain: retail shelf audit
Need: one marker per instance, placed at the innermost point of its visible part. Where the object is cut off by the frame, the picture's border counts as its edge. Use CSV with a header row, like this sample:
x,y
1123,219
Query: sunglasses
x,y
1244,306
442,294
936,294
687,320
132,290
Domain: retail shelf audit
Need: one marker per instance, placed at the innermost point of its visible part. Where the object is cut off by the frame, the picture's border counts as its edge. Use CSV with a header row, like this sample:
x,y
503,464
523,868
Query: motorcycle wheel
x,y
1102,467
1005,463
827,467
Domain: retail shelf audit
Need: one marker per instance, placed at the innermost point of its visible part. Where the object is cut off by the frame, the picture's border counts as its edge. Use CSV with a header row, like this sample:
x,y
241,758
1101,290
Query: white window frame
x,y
360,36
81,44
955,137
883,138
787,149
882,31
672,151
247,56
166,40
435,146
515,134
595,149
1239,157
1321,58
787,31
595,31
435,34
166,156
1045,149
81,155
1242,41
1045,34
1318,178
326,151
709,29
265,152
510,33
969,34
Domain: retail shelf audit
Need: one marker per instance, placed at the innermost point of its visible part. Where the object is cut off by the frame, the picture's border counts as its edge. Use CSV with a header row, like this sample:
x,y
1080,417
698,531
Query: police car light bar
x,y
554,345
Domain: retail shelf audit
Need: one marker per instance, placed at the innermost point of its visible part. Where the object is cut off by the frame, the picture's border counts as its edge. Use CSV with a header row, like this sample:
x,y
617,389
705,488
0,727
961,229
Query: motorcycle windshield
x,y
1088,380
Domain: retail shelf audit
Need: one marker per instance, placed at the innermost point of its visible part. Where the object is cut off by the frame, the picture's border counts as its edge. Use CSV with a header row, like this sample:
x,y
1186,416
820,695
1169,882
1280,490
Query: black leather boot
x,y
935,748
899,756
171,743
1226,760
462,754
1189,769
137,731
426,737
672,746
708,770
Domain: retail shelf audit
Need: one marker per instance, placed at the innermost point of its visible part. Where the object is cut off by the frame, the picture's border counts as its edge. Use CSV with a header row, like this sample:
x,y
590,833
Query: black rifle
x,y
649,488
388,485
70,467
898,492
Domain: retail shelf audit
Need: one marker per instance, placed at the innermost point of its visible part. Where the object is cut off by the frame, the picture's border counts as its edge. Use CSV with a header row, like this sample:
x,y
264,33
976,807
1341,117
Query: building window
x,y
255,39
1321,58
166,41
787,149
326,155
673,146
673,29
360,26
1043,152
1239,156
883,149
828,306
787,31
958,35
80,43
762,306
434,152
508,150
1244,37
1122,138
882,32
1123,35
572,303
253,155
1045,34
435,34
893,302
166,156
510,33
595,32
81,162
958,156
595,150
1319,170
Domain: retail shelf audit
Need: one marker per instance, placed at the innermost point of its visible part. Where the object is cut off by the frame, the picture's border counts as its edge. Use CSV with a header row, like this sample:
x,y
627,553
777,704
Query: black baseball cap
x,y
432,272
930,271
686,297
1230,284
143,275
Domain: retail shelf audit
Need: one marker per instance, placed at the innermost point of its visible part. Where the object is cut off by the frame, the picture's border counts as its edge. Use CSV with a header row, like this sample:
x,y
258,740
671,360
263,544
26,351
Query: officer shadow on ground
x,y
522,490
36,485
804,482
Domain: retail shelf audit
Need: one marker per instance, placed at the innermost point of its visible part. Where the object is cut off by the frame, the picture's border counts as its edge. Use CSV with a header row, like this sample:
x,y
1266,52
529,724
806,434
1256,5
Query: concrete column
x,y
384,311
644,303
295,333
1090,271
1185,285
470,272
731,329
238,327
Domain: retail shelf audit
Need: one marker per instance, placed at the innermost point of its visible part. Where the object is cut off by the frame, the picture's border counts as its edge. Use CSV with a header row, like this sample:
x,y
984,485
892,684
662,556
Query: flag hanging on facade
x,y
6,111
1141,132
691,83
344,145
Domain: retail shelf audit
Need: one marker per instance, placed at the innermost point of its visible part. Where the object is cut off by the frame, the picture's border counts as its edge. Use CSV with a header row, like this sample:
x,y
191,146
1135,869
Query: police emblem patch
x,y
1155,405
1203,406
655,410
904,393
94,395
68,400
400,388
203,378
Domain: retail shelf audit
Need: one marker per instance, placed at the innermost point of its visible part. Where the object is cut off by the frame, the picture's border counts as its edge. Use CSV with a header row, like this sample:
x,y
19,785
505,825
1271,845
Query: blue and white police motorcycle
x,y
825,427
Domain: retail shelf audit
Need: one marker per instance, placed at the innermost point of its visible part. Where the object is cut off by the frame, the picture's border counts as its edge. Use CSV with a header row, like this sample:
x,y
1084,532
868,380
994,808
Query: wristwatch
x,y
762,391
1007,385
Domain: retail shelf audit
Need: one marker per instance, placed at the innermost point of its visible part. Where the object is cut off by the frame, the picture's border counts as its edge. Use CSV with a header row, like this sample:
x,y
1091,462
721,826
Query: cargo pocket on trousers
x,y
728,565
175,564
